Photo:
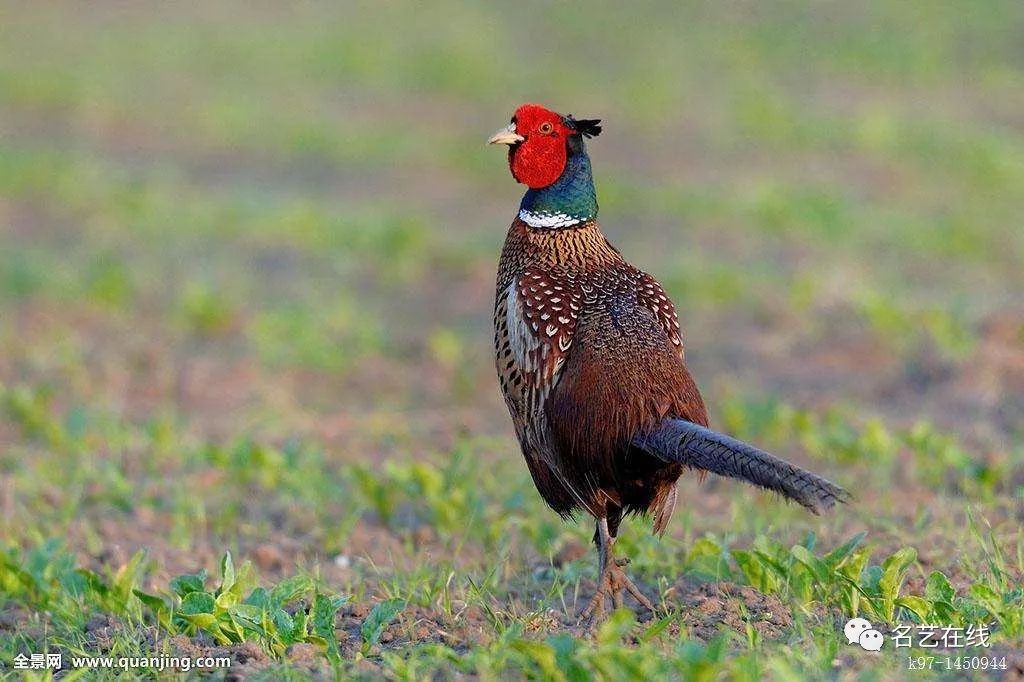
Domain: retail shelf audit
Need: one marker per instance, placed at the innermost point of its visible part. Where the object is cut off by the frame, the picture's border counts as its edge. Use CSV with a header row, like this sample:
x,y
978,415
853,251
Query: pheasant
x,y
590,360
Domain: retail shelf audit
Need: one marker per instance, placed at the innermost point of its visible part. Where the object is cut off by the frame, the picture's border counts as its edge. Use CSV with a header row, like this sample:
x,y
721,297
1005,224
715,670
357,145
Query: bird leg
x,y
612,580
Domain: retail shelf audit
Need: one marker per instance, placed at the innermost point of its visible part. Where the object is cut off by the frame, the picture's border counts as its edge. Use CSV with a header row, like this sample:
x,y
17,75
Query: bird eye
x,y
546,128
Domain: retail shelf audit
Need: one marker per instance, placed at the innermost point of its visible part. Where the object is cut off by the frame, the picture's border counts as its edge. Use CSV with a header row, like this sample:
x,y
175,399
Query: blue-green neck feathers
x,y
569,200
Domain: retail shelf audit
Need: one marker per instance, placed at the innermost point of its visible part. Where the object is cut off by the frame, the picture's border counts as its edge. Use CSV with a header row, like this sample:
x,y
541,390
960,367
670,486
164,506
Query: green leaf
x,y
259,597
941,594
894,571
227,600
197,602
705,557
656,629
282,621
129,575
542,655
705,546
801,582
233,629
813,563
916,605
853,567
245,580
290,589
834,558
251,615
853,591
297,630
155,603
94,582
25,578
381,615
324,610
937,588
566,652
227,573
987,598
203,621
185,584
755,571
77,584
781,569
615,627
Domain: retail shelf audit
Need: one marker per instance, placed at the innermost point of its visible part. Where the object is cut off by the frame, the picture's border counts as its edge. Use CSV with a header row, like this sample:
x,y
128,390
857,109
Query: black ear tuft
x,y
587,127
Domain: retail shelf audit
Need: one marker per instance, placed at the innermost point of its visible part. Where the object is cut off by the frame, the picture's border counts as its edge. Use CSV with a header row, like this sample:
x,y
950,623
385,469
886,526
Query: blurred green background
x,y
259,222
309,182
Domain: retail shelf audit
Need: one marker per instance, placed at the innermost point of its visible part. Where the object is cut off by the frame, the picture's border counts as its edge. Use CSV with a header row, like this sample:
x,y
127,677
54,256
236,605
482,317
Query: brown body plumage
x,y
603,361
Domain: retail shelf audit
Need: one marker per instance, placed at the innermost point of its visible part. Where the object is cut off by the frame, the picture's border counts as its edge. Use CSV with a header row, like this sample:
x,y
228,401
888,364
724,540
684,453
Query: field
x,y
247,398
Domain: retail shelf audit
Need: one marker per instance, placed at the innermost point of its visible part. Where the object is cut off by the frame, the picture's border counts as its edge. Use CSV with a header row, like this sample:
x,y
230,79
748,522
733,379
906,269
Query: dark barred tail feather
x,y
695,446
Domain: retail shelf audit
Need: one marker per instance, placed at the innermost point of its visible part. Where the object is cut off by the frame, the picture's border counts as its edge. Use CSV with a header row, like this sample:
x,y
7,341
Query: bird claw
x,y
612,583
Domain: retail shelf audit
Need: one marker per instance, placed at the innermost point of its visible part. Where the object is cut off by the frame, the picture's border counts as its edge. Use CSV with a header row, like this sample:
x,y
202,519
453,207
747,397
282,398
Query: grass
x,y
247,406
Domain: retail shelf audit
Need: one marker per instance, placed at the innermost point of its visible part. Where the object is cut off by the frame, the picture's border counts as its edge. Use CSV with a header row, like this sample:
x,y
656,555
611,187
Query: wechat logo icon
x,y
860,631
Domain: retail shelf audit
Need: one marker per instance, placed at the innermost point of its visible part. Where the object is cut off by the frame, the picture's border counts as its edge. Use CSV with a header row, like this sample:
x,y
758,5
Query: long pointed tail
x,y
692,445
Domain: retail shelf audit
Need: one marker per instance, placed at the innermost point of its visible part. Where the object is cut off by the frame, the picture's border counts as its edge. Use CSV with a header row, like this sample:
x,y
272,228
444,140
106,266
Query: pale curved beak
x,y
506,135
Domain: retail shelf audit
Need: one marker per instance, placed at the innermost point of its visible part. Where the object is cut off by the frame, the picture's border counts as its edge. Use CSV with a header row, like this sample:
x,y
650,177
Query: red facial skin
x,y
540,159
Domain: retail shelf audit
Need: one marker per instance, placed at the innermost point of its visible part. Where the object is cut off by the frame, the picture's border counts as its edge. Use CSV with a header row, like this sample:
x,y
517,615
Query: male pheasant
x,y
590,359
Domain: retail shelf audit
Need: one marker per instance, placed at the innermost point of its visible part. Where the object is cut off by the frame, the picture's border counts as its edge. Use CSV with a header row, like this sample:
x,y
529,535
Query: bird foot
x,y
612,583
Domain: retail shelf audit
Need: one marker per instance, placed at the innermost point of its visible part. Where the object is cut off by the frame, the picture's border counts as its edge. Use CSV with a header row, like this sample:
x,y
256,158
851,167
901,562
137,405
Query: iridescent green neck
x,y
568,201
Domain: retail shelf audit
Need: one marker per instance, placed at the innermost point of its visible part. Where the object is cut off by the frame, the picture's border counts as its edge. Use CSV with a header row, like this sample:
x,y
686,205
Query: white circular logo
x,y
854,628
860,631
871,640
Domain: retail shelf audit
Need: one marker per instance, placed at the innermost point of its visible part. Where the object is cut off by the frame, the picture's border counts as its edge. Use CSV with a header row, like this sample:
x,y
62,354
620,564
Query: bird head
x,y
539,141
